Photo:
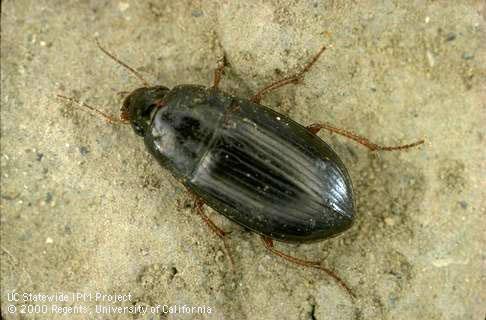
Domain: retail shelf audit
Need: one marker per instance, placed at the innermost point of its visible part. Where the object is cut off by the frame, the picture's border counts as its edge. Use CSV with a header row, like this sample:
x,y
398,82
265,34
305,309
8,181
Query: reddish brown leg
x,y
218,73
198,204
312,264
314,128
291,79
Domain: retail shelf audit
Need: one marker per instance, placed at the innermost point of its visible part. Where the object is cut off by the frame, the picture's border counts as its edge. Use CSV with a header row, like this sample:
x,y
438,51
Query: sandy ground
x,y
85,209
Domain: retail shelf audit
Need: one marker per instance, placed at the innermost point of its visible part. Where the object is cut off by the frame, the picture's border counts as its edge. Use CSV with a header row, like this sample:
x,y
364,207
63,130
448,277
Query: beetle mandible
x,y
257,167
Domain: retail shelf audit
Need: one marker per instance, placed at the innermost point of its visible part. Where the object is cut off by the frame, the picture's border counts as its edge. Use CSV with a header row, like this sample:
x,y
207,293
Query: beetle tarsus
x,y
287,80
316,127
312,264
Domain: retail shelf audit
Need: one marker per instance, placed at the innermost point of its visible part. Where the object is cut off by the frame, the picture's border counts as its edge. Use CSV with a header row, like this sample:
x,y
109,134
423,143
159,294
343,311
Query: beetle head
x,y
139,104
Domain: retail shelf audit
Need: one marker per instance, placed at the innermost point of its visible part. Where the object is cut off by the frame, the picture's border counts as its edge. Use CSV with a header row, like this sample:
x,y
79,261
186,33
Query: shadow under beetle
x,y
257,167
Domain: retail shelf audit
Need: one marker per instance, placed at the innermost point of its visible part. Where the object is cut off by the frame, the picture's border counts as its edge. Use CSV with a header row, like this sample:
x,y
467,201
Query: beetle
x,y
257,167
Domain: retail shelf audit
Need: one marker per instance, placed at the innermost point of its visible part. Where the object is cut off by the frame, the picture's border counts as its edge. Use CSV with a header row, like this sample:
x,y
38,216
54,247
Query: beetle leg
x,y
314,128
218,72
287,80
312,264
198,204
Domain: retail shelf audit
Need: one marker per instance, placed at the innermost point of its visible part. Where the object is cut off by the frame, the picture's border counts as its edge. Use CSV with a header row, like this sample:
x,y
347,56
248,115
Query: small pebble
x,y
123,6
83,150
197,13
430,58
451,36
389,221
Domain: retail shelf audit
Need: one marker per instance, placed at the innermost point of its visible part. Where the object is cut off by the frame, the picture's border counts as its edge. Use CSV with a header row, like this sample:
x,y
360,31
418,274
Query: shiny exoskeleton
x,y
257,167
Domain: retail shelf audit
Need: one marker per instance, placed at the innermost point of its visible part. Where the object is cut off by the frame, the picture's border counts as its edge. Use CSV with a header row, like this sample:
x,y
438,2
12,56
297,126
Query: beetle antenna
x,y
84,106
135,73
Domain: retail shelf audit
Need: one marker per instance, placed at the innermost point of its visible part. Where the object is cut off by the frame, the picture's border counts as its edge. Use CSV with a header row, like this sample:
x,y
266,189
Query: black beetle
x,y
257,167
